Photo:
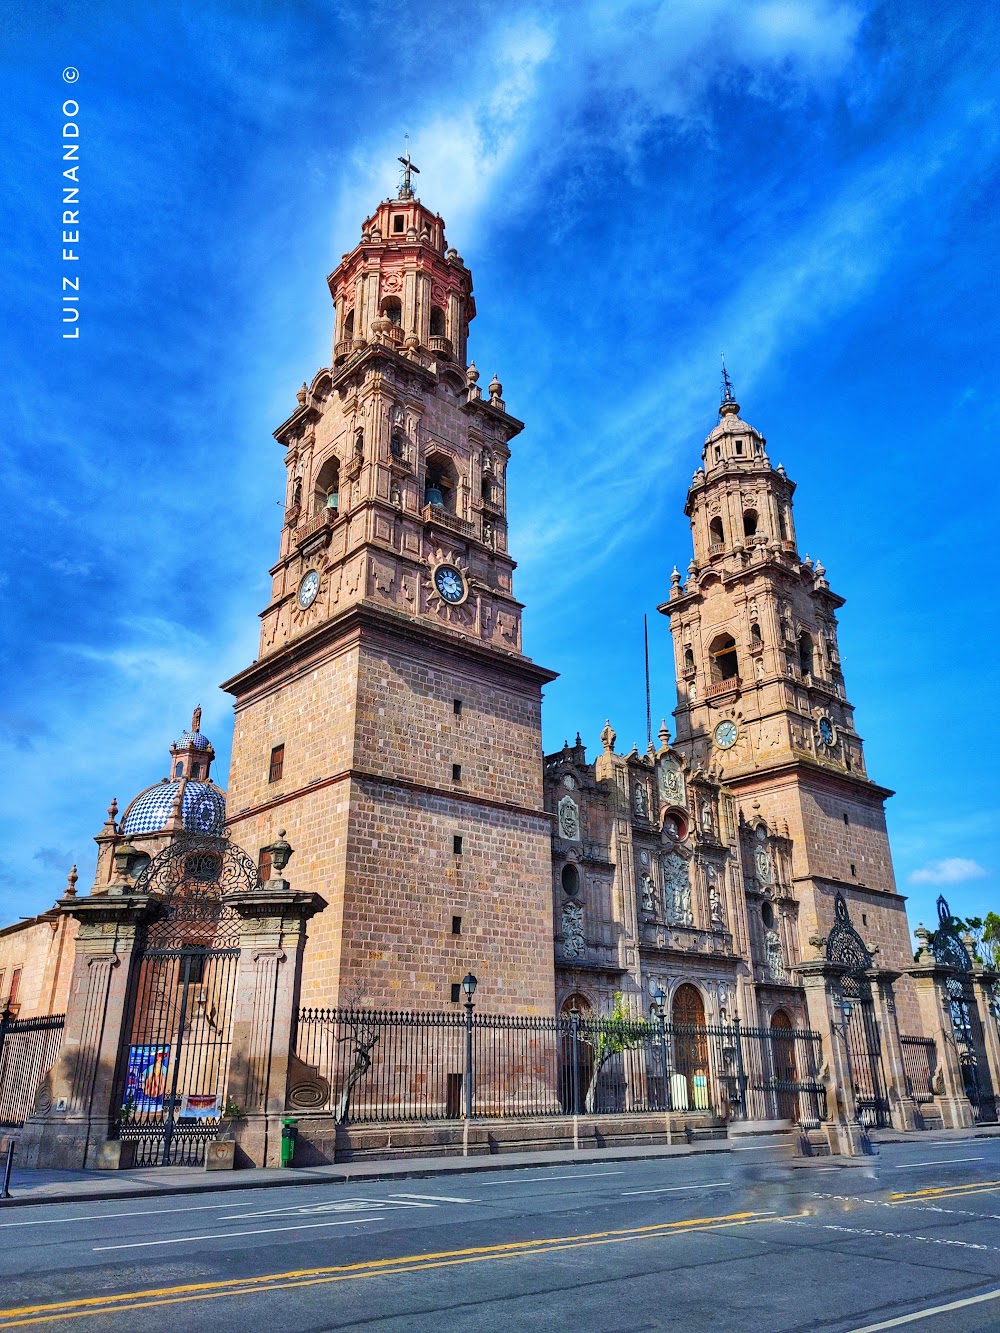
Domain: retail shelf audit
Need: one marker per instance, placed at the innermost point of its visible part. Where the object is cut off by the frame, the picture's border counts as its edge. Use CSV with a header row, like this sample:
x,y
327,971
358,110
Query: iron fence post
x,y
662,1033
5,1192
468,1059
741,1076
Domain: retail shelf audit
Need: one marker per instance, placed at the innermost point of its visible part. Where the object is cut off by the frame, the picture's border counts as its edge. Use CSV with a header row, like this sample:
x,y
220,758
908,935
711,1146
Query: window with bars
x,y
277,764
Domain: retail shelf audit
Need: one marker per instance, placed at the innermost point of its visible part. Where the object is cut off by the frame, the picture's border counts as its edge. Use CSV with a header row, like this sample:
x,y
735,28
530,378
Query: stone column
x,y
988,1004
76,1102
272,941
821,983
930,984
902,1106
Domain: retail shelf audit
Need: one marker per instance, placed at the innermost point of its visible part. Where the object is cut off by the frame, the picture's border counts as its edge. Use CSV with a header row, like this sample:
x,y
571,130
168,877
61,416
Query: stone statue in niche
x,y
677,890
569,819
775,962
647,890
706,816
639,802
573,945
715,907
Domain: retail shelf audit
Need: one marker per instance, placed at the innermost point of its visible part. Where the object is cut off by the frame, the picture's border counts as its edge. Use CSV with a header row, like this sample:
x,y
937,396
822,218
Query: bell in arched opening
x,y
433,496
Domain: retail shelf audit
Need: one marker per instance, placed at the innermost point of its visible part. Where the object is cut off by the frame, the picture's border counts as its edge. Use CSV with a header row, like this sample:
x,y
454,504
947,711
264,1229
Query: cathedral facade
x,y
388,736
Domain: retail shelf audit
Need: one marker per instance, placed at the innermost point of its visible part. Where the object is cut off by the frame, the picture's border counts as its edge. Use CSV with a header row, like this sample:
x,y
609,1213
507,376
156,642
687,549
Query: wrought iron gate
x,y
950,951
175,1069
860,1027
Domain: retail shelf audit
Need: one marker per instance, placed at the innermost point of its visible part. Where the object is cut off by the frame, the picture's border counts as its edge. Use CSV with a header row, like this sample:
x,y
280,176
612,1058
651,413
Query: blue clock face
x,y
725,734
449,583
308,589
826,731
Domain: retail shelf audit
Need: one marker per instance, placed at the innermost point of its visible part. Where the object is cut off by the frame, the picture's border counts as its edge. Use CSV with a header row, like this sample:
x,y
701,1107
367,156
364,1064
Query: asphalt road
x,y
737,1241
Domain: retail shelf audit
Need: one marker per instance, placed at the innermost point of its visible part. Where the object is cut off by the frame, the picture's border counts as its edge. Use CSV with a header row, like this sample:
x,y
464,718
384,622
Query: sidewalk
x,y
33,1187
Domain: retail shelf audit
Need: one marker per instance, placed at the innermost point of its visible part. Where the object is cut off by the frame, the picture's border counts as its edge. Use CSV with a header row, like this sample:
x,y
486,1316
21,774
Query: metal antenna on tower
x,y
649,715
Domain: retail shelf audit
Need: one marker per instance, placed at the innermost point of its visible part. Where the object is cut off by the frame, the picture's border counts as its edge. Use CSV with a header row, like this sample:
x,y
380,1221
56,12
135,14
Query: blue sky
x,y
808,184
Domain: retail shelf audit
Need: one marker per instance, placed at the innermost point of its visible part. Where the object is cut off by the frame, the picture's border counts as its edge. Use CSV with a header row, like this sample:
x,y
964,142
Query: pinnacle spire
x,y
406,189
729,406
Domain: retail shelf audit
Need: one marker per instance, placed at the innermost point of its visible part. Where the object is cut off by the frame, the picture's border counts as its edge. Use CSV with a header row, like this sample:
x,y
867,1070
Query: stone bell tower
x,y
391,722
761,696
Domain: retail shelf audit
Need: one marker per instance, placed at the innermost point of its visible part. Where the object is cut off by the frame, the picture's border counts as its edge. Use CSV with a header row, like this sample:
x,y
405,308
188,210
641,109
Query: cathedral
x,y
388,737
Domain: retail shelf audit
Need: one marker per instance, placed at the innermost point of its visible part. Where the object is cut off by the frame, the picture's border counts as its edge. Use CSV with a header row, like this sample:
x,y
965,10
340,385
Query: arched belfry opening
x,y
326,492
441,485
716,532
724,659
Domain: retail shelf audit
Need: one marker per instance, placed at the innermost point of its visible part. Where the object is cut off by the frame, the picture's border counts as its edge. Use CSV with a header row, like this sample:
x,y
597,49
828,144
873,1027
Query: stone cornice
x,y
364,618
264,902
800,767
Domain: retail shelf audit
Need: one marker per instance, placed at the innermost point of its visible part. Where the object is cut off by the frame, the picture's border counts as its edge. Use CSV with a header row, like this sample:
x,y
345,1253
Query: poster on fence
x,y
200,1106
146,1077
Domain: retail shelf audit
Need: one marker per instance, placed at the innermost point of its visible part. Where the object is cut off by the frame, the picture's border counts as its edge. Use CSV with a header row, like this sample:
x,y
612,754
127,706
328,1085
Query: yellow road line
x,y
950,1191
138,1300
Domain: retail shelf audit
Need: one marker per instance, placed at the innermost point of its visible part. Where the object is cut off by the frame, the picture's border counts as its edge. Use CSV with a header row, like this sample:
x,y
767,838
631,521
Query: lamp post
x,y
469,985
658,1010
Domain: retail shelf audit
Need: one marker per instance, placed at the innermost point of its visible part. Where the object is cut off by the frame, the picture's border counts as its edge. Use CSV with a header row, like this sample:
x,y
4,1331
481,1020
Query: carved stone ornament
x,y
671,783
762,861
677,890
573,944
569,819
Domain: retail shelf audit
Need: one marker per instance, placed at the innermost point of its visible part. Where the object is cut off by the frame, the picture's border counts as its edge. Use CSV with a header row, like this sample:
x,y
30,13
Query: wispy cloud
x,y
950,870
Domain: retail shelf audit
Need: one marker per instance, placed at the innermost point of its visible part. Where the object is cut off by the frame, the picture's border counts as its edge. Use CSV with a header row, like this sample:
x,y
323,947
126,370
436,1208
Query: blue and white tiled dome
x,y
197,739
203,808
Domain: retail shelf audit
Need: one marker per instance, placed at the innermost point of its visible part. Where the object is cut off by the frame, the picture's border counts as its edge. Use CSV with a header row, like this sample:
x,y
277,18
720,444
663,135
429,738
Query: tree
x,y
608,1037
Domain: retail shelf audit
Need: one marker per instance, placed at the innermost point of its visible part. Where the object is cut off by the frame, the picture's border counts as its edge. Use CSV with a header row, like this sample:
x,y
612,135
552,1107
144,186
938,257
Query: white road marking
x,y
544,1180
672,1189
763,1147
905,1235
334,1206
931,1310
99,1217
941,1161
226,1235
434,1198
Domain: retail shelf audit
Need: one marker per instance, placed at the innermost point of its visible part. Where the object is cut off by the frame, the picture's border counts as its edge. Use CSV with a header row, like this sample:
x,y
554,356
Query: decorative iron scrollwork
x,y
190,878
946,943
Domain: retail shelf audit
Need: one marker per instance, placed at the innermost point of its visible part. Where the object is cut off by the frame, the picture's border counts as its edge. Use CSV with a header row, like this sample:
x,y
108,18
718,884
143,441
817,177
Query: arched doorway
x,y
174,1069
689,1084
576,1063
783,1064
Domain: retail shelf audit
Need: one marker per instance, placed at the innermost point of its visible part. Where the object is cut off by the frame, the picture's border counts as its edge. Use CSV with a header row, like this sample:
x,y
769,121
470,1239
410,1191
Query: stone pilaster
x,y
77,1099
930,985
988,1004
272,940
902,1106
821,983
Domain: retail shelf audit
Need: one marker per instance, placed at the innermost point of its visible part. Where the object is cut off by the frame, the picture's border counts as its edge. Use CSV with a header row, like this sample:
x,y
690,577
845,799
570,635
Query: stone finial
x,y
608,737
923,938
71,880
664,733
411,342
196,720
579,740
495,391
109,823
969,940
472,374
302,394
818,942
781,470
807,562
675,582
281,853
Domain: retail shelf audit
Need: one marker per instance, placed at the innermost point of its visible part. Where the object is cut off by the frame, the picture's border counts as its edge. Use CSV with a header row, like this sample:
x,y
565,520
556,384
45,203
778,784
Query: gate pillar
x,y
76,1100
821,983
272,940
930,982
987,990
902,1107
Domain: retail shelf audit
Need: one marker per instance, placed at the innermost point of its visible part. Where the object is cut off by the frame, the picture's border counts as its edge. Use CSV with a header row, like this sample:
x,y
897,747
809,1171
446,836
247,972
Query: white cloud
x,y
950,870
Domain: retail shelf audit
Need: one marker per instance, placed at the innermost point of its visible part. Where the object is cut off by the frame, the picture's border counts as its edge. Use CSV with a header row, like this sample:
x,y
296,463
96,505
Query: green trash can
x,y
289,1133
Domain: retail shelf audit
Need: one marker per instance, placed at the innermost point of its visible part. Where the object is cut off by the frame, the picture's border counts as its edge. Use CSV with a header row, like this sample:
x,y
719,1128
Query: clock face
x,y
725,734
308,589
450,584
826,731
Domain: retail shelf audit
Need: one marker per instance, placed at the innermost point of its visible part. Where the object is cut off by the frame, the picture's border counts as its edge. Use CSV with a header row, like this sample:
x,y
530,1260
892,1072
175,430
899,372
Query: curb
x,y
331,1176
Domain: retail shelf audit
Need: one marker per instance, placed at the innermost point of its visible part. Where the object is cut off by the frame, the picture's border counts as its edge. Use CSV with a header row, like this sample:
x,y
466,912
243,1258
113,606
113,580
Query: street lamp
x,y
658,1012
469,984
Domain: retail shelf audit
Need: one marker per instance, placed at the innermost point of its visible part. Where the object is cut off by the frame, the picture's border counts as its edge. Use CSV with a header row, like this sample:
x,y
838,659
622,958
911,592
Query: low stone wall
x,y
321,1141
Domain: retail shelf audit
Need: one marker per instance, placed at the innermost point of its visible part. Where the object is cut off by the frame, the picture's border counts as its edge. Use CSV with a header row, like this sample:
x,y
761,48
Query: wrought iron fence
x,y
28,1049
919,1065
377,1065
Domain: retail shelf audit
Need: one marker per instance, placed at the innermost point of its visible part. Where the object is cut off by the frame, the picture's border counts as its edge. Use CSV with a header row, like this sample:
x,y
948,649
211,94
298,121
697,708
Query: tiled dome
x,y
203,808
195,738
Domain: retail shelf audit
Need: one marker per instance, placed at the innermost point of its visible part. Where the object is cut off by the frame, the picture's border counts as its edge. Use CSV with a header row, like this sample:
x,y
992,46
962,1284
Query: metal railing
x,y
377,1065
919,1065
28,1050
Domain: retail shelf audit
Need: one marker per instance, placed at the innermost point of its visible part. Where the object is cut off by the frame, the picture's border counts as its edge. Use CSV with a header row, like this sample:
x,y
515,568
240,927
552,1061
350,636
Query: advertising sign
x,y
146,1077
